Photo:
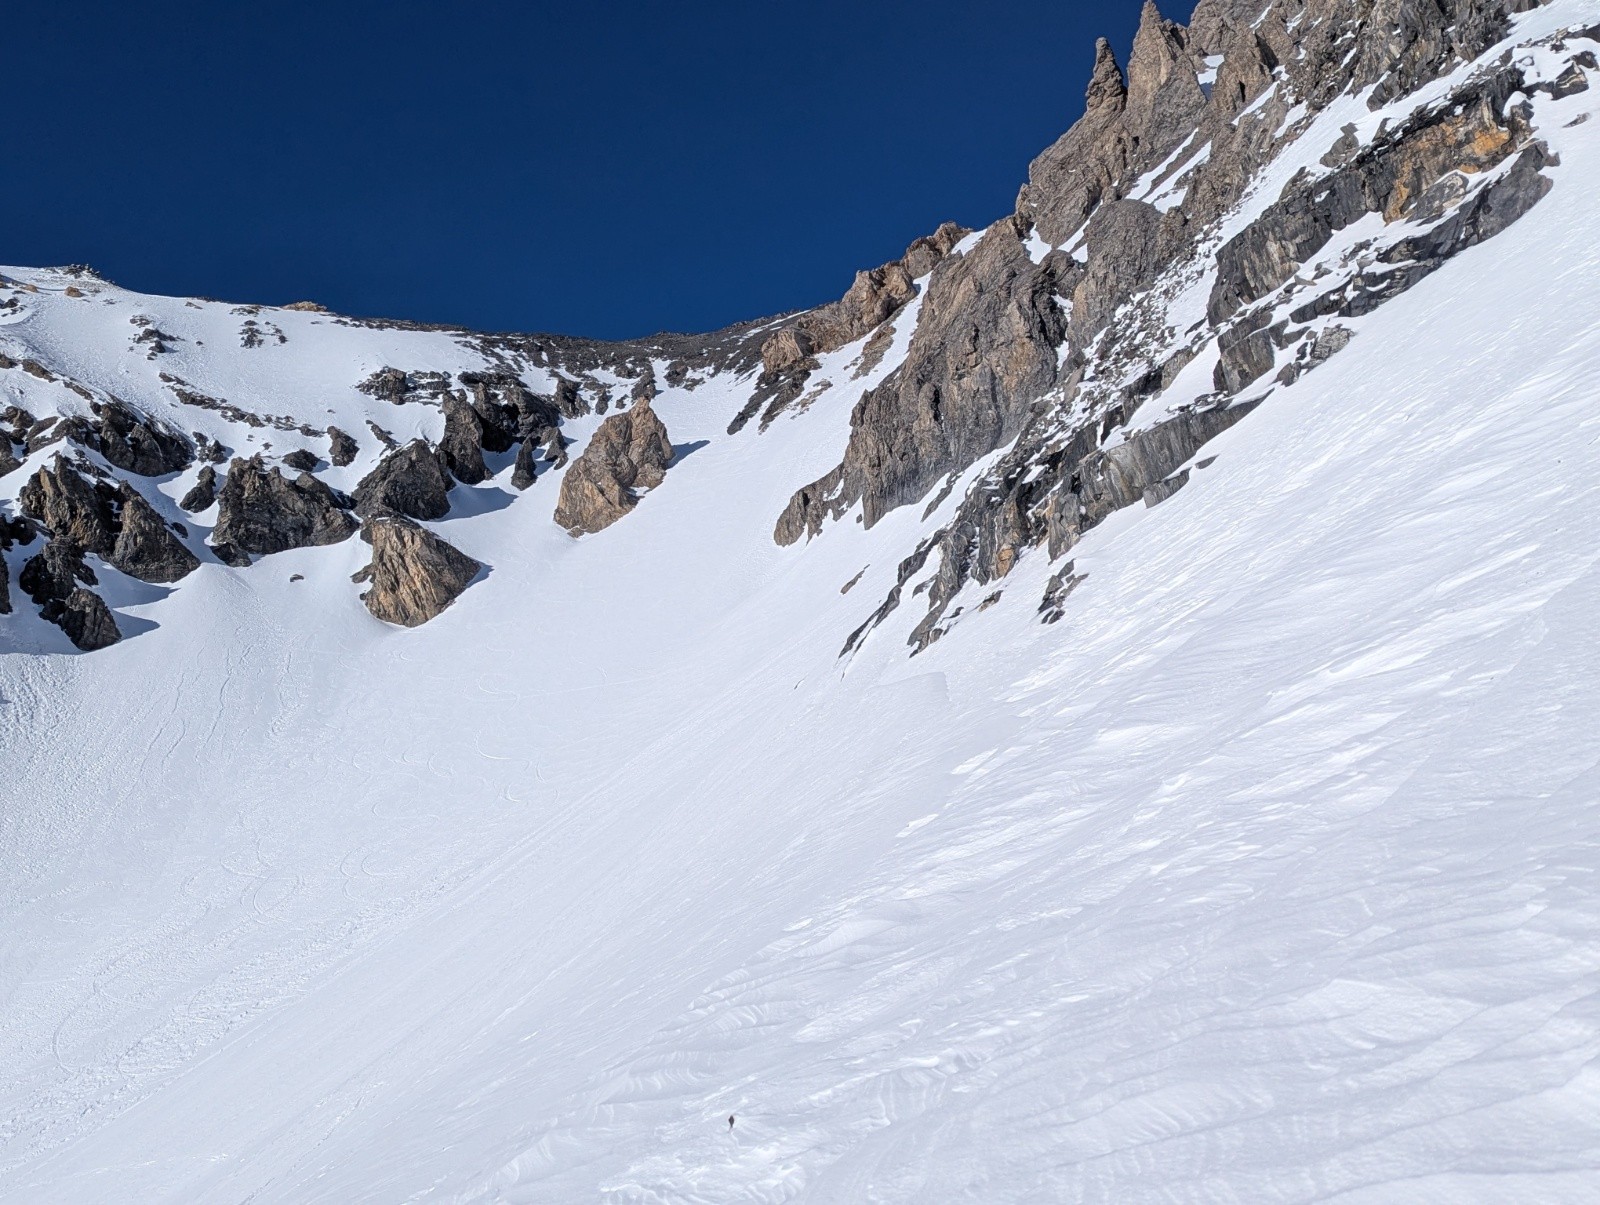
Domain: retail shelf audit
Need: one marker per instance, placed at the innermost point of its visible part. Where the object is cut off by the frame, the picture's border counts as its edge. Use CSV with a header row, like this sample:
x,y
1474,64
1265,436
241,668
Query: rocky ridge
x,y
1148,291
72,457
1221,219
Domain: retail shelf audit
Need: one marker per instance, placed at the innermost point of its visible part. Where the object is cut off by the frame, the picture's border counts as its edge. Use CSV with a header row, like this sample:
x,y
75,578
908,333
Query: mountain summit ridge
x,y
1046,331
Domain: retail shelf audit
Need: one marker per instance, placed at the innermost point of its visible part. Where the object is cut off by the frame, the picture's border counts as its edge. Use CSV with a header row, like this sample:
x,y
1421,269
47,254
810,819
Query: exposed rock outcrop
x,y
209,450
872,297
145,547
85,618
554,446
568,401
55,571
260,511
409,481
12,532
505,408
401,388
1069,179
525,473
1417,173
629,453
1399,177
984,350
51,579
1164,97
1127,205
112,521
414,574
72,507
1047,495
462,445
202,493
1125,252
789,354
342,449
133,442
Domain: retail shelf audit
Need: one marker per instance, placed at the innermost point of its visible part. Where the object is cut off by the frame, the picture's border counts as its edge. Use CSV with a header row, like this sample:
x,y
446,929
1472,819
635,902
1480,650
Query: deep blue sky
x,y
608,169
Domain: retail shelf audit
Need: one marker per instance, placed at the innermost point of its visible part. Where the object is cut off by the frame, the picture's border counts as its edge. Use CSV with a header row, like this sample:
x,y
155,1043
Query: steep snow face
x,y
1268,872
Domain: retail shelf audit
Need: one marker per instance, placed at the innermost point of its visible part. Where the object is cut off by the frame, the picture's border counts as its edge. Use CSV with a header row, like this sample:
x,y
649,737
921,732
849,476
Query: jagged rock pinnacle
x,y
1106,89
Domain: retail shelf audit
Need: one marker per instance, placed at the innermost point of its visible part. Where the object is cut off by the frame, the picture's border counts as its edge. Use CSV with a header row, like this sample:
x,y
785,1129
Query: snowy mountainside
x,y
1227,830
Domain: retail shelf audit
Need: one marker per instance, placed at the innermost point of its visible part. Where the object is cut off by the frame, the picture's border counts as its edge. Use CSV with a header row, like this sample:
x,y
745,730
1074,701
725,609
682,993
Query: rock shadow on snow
x,y
682,452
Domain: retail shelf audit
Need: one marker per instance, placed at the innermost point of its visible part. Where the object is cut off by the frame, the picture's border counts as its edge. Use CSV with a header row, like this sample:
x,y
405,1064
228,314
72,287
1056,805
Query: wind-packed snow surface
x,y
1271,872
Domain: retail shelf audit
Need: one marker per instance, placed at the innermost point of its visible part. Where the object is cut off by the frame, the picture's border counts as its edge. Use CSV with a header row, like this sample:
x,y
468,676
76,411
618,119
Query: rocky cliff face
x,y
789,355
984,348
1228,210
1070,336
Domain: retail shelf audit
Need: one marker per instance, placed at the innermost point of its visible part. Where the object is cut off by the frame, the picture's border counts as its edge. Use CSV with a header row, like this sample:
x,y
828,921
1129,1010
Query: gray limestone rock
x,y
502,405
1080,485
52,580
813,505
788,356
133,442
1399,178
85,618
554,445
1053,606
12,531
1155,495
342,449
525,473
873,297
260,511
409,481
202,493
568,401
462,445
413,575
983,352
55,571
1164,98
1123,240
209,450
1069,179
229,555
113,522
398,387
146,548
72,507
1246,352
629,453
386,384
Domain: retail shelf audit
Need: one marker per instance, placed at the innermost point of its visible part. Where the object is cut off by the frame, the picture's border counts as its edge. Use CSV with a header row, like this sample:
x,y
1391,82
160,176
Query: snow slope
x,y
1269,873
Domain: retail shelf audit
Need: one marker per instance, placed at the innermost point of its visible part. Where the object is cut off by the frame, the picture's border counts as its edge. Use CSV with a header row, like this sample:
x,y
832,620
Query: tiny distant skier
x,y
730,1123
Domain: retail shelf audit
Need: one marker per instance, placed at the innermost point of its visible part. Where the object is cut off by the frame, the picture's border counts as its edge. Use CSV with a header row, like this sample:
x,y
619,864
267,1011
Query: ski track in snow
x,y
1268,874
